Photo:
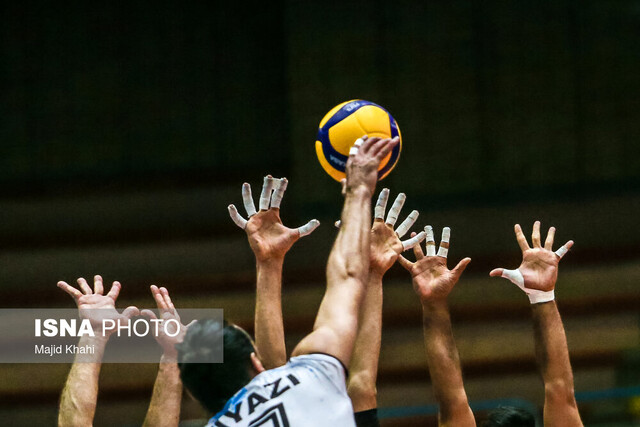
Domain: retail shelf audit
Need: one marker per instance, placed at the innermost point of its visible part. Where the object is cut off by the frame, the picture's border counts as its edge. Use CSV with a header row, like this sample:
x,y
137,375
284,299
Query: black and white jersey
x,y
308,391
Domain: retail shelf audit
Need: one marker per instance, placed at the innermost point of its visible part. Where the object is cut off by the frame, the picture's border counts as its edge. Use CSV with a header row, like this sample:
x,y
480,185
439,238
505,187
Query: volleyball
x,y
345,123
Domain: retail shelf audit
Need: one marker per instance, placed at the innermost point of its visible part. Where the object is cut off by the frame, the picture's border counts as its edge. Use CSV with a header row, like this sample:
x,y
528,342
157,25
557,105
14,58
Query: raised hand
x,y
385,243
432,280
95,306
268,237
364,159
538,271
167,312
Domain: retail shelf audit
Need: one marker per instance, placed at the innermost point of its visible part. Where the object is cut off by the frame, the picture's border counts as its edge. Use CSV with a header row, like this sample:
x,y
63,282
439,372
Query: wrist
x,y
375,276
359,190
434,305
169,357
270,263
540,297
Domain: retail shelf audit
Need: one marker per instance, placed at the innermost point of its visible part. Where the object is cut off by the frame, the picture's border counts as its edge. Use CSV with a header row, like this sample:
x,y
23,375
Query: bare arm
x,y
80,393
385,247
433,282
537,277
270,240
164,408
336,324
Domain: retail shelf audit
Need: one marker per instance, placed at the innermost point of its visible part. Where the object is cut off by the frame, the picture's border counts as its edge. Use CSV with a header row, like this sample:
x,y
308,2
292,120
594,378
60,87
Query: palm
x,y
385,247
539,268
98,308
432,279
268,237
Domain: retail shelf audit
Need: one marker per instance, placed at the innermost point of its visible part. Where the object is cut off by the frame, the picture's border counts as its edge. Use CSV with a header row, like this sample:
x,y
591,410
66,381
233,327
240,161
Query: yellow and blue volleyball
x,y
345,123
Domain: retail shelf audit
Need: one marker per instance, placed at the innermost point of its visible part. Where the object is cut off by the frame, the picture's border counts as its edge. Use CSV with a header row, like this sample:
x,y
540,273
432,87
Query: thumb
x,y
191,323
130,312
343,182
496,272
459,269
308,228
405,263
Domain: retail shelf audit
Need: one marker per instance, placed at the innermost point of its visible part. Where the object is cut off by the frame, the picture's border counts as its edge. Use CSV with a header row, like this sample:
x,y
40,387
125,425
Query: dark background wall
x,y
126,128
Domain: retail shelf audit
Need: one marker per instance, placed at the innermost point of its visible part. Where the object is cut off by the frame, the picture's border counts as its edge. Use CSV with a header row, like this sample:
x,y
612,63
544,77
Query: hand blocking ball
x,y
345,123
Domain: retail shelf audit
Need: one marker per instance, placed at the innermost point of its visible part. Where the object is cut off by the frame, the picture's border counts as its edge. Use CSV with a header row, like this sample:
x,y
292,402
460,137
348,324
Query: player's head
x,y
212,384
509,417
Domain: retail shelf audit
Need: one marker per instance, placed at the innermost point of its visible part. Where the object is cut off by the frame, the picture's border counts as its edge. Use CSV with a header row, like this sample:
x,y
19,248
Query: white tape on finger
x,y
443,251
381,204
337,223
394,212
235,216
308,227
562,251
535,296
431,242
278,192
247,199
415,240
265,196
358,142
353,151
407,223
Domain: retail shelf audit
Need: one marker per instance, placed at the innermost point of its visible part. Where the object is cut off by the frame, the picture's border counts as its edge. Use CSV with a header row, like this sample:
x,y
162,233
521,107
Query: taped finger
x,y
443,251
308,227
562,250
337,224
415,240
381,204
394,212
278,192
407,223
235,216
247,199
265,195
431,241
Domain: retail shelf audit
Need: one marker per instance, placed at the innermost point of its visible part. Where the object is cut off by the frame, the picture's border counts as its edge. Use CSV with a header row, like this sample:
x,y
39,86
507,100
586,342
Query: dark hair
x,y
212,384
508,416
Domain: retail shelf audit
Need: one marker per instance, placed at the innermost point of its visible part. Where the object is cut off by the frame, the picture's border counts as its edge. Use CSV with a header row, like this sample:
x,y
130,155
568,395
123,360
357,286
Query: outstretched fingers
x,y
459,269
381,204
265,195
75,293
86,289
407,223
97,285
114,291
431,241
394,212
236,217
414,241
443,250
247,200
522,241
278,192
535,235
548,243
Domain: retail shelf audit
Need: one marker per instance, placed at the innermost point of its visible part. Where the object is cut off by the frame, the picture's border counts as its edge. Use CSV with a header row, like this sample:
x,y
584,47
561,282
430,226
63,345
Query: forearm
x,y
552,355
444,365
363,370
269,328
349,257
80,393
335,329
164,409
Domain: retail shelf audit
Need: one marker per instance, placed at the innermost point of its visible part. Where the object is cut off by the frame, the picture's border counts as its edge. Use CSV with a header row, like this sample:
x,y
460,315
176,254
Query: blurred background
x,y
127,128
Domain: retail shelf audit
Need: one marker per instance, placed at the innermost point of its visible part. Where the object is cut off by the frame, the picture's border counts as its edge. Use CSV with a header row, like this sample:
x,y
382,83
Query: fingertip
x,y
496,272
413,234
